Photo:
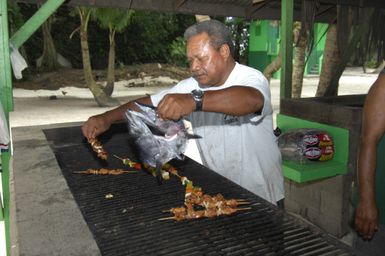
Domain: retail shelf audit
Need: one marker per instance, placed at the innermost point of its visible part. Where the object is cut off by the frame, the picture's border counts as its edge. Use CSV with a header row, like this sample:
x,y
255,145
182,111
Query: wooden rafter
x,y
178,3
251,9
257,1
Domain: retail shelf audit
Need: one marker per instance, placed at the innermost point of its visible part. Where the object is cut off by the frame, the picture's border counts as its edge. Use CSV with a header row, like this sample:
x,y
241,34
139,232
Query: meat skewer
x,y
104,171
130,163
208,201
171,169
183,214
165,168
97,147
212,206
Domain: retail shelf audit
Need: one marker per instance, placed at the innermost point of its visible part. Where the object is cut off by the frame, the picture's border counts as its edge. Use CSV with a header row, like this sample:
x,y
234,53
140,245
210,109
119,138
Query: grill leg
x,y
281,204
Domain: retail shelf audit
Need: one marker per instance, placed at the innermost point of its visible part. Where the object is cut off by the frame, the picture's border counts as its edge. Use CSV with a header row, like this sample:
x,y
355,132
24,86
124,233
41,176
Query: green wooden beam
x,y
6,98
41,15
286,48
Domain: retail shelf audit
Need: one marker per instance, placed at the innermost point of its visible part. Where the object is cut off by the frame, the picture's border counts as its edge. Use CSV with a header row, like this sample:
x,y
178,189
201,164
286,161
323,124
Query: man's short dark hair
x,y
218,32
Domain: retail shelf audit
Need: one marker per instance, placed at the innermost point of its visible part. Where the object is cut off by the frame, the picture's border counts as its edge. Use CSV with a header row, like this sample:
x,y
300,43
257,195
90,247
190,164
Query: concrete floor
x,y
375,247
45,217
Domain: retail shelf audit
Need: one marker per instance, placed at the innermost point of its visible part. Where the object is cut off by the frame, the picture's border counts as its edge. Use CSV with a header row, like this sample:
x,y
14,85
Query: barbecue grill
x,y
123,211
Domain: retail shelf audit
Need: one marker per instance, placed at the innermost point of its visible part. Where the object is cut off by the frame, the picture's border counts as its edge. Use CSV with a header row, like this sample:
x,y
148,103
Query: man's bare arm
x,y
373,128
98,124
236,100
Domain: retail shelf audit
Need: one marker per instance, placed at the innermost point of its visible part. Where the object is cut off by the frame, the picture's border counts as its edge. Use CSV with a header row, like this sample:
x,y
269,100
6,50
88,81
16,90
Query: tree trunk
x,y
339,64
330,60
100,97
49,57
299,63
362,27
111,68
273,67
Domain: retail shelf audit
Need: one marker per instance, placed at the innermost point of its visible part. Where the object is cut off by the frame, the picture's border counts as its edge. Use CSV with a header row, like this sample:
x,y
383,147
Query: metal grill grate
x,y
127,223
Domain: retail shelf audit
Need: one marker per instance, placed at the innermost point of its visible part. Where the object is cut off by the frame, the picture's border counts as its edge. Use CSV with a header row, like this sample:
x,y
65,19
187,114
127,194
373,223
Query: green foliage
x,y
15,17
178,52
371,64
149,37
112,18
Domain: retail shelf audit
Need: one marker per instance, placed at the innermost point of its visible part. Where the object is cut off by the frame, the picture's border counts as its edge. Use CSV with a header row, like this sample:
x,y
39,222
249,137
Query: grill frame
x,y
122,225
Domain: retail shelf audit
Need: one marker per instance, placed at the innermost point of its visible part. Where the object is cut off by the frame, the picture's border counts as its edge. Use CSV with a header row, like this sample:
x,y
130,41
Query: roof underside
x,y
250,9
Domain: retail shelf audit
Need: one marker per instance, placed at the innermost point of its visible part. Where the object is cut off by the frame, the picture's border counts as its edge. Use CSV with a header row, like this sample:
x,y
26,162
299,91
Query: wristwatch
x,y
197,95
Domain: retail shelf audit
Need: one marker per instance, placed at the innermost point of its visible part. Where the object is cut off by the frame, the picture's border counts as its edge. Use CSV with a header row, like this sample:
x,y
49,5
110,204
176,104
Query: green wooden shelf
x,y
313,170
310,170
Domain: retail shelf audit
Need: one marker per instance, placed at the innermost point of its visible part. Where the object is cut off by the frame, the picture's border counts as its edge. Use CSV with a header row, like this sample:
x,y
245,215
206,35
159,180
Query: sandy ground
x,y
70,104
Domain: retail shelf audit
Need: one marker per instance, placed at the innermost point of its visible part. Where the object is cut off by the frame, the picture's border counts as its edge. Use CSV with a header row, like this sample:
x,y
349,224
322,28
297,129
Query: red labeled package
x,y
303,144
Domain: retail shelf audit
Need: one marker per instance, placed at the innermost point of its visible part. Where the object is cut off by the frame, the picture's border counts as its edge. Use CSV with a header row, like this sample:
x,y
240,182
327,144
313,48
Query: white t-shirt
x,y
240,148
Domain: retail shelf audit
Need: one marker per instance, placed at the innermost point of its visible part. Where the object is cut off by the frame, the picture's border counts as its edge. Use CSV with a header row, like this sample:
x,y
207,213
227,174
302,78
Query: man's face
x,y
207,64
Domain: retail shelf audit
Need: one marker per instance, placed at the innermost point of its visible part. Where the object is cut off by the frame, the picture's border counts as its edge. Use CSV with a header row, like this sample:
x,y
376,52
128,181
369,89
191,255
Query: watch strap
x,y
197,95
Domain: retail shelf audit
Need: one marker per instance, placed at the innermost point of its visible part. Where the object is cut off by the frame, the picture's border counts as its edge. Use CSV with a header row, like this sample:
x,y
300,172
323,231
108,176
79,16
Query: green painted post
x,y
286,48
5,157
5,65
41,15
7,104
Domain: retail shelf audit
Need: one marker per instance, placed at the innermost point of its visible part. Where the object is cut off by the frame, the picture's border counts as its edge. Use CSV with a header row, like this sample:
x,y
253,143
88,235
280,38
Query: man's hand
x,y
175,106
366,219
95,125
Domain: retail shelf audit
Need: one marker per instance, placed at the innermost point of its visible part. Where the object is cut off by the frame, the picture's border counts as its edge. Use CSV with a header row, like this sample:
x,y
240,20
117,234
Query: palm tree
x,y
303,39
300,41
273,67
115,20
338,52
330,60
100,96
50,59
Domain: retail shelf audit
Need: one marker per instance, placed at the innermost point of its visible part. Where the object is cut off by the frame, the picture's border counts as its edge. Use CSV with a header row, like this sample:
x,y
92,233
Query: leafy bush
x,y
371,64
178,52
150,36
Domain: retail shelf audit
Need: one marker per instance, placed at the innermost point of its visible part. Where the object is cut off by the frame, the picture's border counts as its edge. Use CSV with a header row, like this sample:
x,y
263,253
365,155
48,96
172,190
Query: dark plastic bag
x,y
164,141
306,144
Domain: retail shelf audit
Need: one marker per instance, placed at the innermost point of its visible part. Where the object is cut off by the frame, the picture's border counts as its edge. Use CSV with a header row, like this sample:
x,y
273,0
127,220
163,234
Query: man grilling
x,y
228,104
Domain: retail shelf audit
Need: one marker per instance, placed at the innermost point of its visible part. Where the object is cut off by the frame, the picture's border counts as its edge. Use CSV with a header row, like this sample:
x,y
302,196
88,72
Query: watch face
x,y
197,94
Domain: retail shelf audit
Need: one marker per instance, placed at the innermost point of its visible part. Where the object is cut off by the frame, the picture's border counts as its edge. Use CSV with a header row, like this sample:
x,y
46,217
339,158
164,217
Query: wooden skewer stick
x,y
167,218
240,202
104,172
175,173
244,209
173,218
118,157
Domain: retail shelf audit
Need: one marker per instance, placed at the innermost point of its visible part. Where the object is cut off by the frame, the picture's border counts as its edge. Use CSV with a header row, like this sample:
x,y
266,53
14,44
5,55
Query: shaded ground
x,y
75,78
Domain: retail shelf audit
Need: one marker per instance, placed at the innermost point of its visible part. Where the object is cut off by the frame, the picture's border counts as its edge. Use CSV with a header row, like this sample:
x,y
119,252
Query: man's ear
x,y
224,51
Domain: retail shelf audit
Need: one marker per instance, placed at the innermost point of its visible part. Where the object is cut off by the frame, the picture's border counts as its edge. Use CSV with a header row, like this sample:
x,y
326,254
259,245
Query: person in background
x,y
228,105
373,128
